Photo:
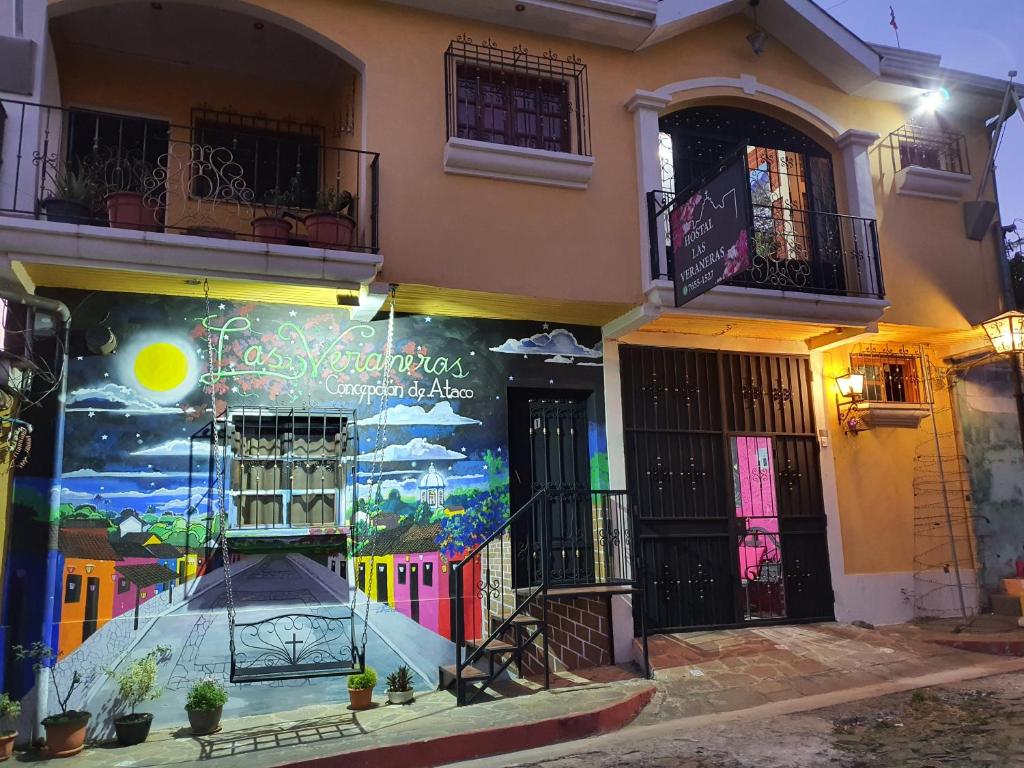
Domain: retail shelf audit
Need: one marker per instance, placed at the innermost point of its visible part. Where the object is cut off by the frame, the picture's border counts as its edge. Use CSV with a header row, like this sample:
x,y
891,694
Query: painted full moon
x,y
161,367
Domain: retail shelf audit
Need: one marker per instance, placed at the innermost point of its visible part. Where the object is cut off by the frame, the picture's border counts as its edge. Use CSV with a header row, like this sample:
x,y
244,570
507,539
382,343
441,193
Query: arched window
x,y
797,234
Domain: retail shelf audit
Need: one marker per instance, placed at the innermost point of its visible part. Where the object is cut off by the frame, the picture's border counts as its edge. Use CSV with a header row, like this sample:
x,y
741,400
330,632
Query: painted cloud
x,y
417,449
176,447
556,342
559,359
441,414
109,397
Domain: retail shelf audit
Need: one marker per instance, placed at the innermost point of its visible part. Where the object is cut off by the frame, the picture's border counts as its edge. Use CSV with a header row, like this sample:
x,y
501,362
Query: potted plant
x,y
136,684
65,731
10,709
73,197
273,226
329,226
360,688
205,705
399,685
126,206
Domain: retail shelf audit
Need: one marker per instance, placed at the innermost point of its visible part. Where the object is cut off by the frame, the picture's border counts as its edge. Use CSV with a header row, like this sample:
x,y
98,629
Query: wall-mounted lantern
x,y
1006,334
851,389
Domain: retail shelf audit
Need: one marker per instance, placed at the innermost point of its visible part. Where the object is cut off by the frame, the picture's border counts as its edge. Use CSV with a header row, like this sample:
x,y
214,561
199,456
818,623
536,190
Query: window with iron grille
x,y
270,154
925,146
515,98
889,377
288,468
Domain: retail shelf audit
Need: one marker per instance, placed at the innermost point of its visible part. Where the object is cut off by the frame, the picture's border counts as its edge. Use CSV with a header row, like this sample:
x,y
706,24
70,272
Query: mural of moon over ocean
x,y
337,508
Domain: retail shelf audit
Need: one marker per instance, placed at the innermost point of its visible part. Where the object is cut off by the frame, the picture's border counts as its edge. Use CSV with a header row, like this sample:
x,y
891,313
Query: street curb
x,y
489,741
990,647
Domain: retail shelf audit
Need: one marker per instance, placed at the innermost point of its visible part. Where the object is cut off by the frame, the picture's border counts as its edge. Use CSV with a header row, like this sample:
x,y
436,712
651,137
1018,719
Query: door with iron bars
x,y
722,462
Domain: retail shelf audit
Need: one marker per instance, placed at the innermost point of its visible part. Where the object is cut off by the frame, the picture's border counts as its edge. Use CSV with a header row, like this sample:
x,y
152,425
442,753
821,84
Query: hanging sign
x,y
711,232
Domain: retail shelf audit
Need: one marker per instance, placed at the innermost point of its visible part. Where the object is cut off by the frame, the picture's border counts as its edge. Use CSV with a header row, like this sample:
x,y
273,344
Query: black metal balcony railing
x,y
791,249
928,147
107,170
516,98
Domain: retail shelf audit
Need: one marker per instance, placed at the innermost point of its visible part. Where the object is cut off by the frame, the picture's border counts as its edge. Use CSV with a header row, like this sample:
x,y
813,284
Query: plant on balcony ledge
x,y
273,226
73,197
329,226
127,182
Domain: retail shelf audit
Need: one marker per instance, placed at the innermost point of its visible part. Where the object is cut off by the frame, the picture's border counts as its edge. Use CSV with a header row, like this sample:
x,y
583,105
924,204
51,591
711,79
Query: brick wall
x,y
579,635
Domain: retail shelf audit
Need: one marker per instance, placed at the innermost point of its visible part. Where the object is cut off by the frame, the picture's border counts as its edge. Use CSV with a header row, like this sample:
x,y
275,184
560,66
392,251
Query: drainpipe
x,y
59,310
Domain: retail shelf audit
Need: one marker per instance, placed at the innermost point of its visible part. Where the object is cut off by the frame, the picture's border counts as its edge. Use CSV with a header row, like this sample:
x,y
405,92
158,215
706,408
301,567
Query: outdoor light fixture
x,y
851,385
1006,332
851,388
758,37
932,100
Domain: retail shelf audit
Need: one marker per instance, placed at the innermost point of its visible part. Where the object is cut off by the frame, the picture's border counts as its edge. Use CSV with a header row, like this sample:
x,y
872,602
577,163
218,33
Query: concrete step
x,y
1006,605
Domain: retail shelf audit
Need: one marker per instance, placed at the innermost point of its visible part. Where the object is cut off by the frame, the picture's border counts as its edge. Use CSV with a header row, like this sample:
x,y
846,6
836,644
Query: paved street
x,y
975,724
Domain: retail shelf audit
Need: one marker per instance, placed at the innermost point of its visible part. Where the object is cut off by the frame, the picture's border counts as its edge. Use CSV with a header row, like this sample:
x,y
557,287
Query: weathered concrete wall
x,y
992,444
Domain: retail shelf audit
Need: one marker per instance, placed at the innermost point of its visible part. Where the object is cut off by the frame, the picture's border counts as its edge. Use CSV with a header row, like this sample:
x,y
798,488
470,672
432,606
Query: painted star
x,y
292,313
103,437
544,326
222,307
79,358
138,435
106,375
428,319
92,414
234,390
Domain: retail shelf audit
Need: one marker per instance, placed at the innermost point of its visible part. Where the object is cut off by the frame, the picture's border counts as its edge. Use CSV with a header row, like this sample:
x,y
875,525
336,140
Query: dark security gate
x,y
722,460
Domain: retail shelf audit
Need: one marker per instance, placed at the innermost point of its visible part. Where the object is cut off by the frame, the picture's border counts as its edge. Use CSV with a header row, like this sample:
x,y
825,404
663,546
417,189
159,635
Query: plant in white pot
x,y
65,730
10,709
136,684
205,705
399,685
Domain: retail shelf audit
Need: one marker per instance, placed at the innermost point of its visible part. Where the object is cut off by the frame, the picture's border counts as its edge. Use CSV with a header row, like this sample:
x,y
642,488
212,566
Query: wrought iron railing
x,y
791,249
1014,242
559,540
928,147
517,98
107,170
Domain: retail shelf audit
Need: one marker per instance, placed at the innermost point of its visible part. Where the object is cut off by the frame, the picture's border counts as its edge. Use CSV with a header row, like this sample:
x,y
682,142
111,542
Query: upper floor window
x,y
515,98
929,146
271,156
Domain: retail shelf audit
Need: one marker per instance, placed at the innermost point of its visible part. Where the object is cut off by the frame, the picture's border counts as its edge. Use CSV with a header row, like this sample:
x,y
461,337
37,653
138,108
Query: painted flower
x,y
682,220
737,258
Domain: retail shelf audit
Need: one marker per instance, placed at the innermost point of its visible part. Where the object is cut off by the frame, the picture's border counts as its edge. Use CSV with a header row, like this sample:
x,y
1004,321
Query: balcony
x,y
227,195
809,265
929,162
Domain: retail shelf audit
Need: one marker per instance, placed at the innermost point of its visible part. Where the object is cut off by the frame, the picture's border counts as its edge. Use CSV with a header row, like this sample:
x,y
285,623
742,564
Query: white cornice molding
x,y
749,86
467,157
647,100
857,138
29,241
932,183
907,415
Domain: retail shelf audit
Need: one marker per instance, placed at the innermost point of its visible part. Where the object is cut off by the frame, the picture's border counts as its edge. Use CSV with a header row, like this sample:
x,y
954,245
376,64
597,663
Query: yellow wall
x,y
482,234
371,564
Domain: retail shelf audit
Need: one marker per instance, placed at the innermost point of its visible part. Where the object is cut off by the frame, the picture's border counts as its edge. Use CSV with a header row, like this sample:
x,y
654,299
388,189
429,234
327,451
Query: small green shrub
x,y
333,201
137,683
364,681
10,709
206,694
400,680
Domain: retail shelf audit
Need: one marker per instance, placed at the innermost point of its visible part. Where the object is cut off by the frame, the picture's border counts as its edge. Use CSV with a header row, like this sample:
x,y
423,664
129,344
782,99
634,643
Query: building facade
x,y
224,198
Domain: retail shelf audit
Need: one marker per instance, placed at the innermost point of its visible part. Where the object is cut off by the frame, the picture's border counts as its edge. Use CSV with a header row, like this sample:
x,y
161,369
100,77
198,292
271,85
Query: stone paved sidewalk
x,y
706,672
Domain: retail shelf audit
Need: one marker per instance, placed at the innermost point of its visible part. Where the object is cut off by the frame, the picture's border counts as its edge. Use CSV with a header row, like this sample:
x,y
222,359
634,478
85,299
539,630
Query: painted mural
x,y
138,560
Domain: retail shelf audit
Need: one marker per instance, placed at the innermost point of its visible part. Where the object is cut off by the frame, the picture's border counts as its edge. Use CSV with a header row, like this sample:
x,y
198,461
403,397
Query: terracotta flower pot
x,y
271,229
329,230
65,733
125,210
7,744
204,721
133,729
360,698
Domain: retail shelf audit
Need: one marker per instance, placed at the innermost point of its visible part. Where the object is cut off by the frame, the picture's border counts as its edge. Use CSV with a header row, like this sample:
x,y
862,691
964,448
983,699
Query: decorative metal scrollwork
x,y
295,642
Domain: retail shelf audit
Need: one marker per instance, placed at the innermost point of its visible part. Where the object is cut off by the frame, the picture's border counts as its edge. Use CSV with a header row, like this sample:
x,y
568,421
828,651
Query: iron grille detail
x,y
514,97
932,147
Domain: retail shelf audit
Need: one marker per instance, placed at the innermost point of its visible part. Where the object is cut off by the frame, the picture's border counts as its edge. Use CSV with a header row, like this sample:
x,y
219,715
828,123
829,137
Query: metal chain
x,y
218,459
377,474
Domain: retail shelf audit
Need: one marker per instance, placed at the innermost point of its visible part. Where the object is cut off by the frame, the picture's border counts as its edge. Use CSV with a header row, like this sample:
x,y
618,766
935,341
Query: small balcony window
x,y
889,377
73,588
516,99
932,147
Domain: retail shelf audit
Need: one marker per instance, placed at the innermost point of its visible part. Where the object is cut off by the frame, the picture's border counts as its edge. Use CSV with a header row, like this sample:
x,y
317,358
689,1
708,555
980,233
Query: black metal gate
x,y
722,460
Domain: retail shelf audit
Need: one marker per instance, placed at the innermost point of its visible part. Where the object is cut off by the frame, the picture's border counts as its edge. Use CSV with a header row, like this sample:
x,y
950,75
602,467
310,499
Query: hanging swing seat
x,y
296,645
